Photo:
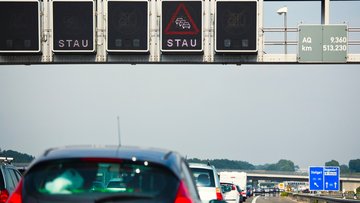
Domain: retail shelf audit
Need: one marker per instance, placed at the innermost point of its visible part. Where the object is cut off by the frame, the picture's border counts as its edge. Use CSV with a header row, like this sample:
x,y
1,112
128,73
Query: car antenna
x,y
118,120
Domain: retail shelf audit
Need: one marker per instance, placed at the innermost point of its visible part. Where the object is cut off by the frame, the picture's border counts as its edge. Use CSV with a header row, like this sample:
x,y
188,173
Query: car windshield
x,y
100,177
203,177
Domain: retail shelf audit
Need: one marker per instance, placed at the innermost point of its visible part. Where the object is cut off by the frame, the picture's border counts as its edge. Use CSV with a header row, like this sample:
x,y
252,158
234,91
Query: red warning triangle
x,y
181,24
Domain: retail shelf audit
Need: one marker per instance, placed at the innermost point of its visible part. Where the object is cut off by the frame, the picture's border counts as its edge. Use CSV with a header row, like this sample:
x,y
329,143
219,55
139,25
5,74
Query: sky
x,y
309,114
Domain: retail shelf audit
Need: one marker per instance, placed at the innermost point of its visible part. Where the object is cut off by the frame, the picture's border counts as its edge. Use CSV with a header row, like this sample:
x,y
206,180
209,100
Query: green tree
x,y
195,160
271,167
263,167
225,163
354,165
231,164
18,157
344,169
281,165
285,165
332,163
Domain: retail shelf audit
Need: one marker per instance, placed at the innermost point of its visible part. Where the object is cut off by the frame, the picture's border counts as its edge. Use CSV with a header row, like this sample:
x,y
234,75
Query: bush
x,y
284,194
349,193
358,190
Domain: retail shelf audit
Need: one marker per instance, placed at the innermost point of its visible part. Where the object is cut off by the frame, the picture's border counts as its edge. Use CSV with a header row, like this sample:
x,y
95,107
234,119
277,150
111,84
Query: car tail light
x,y
218,194
233,187
183,195
4,195
16,195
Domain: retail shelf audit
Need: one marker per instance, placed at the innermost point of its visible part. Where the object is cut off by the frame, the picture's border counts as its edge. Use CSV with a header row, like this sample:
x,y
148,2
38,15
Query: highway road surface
x,y
269,199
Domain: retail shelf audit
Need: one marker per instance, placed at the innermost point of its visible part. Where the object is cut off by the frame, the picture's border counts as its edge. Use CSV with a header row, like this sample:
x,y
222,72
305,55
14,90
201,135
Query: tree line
x,y
281,165
353,167
18,157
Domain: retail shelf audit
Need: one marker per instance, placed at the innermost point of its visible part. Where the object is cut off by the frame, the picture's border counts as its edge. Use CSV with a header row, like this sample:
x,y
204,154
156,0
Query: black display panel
x,y
20,26
128,26
236,26
73,26
181,29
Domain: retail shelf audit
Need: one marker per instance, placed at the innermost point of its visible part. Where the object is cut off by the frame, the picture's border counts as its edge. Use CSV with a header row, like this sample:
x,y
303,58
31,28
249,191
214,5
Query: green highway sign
x,y
310,40
322,44
335,43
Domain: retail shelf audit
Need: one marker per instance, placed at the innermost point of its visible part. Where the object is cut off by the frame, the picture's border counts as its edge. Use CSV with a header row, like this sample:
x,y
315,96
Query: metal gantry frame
x,y
208,33
293,58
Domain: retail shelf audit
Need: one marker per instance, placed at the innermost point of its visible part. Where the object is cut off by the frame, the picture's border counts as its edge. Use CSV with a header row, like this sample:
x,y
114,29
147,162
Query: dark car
x,y
249,191
107,174
306,190
9,178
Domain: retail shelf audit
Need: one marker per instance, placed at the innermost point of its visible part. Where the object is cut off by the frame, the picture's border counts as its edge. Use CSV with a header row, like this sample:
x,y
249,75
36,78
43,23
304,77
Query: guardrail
x,y
320,198
295,173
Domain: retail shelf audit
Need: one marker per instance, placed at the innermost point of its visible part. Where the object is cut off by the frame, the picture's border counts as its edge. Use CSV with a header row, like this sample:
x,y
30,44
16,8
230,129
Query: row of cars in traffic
x,y
9,178
114,174
266,190
209,183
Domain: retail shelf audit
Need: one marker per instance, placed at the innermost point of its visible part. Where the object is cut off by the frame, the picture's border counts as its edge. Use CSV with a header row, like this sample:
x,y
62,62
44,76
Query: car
x,y
9,178
231,192
107,174
186,25
207,181
243,193
276,189
266,189
249,191
306,190
258,190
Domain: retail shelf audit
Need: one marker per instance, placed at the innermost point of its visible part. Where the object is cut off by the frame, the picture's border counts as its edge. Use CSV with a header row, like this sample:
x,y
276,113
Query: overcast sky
x,y
309,114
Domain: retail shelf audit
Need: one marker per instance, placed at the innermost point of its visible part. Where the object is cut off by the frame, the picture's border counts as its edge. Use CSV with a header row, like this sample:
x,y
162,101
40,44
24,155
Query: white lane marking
x,y
254,200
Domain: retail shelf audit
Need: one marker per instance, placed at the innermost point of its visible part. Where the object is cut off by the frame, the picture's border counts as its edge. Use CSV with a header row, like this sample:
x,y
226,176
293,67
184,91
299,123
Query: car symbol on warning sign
x,y
181,25
181,22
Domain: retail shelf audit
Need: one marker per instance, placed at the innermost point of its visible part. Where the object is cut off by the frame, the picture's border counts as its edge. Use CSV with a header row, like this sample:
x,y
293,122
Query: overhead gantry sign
x,y
147,31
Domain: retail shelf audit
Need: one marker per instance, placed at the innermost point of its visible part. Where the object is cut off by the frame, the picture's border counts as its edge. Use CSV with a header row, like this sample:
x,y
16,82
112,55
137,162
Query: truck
x,y
238,178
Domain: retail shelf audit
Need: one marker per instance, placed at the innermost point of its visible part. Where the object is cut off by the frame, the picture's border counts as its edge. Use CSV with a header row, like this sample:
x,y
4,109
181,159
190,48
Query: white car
x,y
231,193
207,182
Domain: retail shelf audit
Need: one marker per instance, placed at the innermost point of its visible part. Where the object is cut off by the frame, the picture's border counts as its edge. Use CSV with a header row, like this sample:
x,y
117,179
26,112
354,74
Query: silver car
x,y
207,182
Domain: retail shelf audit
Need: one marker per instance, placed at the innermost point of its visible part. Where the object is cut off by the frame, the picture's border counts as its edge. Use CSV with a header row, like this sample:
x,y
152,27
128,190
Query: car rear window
x,y
2,184
226,187
91,178
11,178
203,177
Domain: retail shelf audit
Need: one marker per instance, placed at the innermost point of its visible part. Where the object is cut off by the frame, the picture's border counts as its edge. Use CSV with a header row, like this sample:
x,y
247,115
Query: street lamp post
x,y
284,11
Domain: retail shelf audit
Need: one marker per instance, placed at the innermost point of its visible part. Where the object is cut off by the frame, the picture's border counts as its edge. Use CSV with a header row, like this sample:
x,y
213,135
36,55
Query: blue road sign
x,y
316,178
331,178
